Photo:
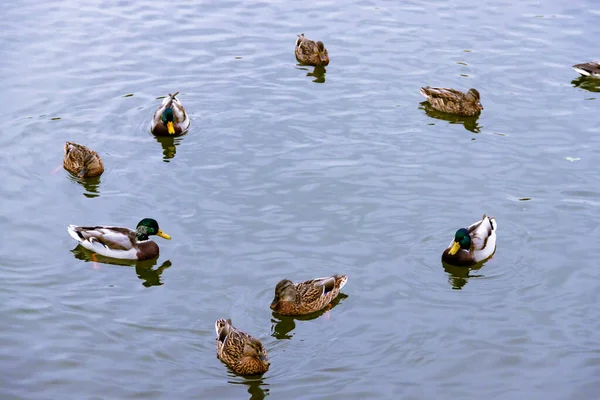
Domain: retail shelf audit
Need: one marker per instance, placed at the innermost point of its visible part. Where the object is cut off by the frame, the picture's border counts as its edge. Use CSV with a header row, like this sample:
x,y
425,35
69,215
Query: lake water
x,y
288,173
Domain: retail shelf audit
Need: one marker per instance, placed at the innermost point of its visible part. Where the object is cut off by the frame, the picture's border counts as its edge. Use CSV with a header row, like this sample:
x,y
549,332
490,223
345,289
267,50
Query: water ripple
x,y
288,172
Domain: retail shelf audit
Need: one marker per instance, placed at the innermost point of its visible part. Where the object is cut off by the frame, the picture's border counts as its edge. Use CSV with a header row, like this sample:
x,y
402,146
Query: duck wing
x,y
442,93
234,342
178,110
312,290
305,46
588,69
480,231
109,237
166,103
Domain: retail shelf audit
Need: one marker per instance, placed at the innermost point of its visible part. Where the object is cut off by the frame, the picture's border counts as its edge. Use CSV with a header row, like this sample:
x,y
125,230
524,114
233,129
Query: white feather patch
x,y
98,247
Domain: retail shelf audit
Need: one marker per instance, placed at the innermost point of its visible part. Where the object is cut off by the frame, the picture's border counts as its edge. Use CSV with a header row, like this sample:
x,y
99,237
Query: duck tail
x,y
72,229
493,223
222,325
341,280
219,324
491,220
578,68
168,101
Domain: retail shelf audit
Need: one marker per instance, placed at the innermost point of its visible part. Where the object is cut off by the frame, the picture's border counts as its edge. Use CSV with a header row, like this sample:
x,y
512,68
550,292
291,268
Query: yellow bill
x,y
170,128
163,235
455,247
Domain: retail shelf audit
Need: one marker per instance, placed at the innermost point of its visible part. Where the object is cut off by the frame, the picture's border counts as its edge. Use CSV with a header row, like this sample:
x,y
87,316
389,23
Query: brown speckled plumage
x,y
306,297
244,354
81,161
309,52
453,101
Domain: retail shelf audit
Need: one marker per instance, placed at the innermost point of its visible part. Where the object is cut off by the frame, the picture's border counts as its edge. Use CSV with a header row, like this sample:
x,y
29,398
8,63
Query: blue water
x,y
288,173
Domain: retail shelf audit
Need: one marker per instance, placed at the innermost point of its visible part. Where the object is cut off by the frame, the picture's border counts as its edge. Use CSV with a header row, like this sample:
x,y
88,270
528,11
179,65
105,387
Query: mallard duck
x,y
81,161
117,242
311,53
473,244
306,297
244,354
453,101
588,69
170,119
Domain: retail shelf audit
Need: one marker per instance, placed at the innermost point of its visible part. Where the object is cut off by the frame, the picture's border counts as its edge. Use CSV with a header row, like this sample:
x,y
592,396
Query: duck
x,y
81,161
244,354
591,69
453,101
170,119
306,297
121,243
473,244
309,52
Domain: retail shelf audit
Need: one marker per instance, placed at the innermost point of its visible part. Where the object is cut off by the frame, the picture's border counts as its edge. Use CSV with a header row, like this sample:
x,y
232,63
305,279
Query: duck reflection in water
x,y
144,269
459,276
256,386
469,123
591,84
282,325
318,72
90,185
169,145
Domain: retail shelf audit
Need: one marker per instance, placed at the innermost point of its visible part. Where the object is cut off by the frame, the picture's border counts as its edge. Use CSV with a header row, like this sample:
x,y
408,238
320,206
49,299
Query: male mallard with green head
x,y
311,53
453,101
244,354
170,119
591,69
81,161
473,244
117,242
306,297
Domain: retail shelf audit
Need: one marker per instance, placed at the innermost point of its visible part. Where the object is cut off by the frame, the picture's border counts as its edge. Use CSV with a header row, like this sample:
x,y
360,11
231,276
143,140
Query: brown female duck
x,y
453,101
244,354
306,297
311,53
81,161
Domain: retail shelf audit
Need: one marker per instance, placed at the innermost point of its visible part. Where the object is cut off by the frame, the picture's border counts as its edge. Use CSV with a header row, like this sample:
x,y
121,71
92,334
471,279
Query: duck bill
x,y
170,128
455,247
322,57
163,235
274,304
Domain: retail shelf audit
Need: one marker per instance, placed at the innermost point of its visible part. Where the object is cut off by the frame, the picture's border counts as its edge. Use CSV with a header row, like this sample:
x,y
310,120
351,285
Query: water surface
x,y
291,172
